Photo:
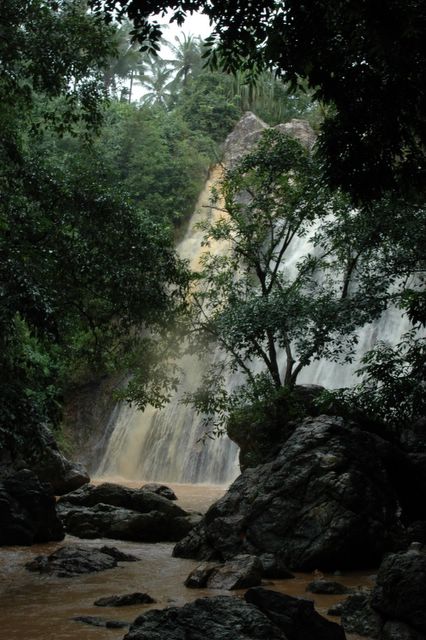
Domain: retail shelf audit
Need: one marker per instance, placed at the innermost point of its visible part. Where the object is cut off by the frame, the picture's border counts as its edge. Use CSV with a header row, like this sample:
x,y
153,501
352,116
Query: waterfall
x,y
165,445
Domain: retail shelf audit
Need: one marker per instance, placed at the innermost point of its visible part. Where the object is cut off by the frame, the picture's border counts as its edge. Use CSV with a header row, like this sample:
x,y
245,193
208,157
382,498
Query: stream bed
x,y
40,607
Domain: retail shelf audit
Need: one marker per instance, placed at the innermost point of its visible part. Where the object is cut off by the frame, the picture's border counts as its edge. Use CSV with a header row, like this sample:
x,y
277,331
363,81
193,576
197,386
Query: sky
x,y
196,24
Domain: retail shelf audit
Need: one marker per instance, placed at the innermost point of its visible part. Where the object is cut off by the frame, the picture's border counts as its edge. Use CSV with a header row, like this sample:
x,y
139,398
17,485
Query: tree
x,y
187,61
87,279
365,59
157,80
261,302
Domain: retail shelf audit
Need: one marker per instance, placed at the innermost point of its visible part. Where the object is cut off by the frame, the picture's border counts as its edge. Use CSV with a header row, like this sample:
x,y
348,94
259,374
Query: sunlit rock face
x,y
301,130
242,138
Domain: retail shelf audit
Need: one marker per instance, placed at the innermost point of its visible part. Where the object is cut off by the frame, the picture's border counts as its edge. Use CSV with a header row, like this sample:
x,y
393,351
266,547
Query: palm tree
x,y
125,62
187,61
156,79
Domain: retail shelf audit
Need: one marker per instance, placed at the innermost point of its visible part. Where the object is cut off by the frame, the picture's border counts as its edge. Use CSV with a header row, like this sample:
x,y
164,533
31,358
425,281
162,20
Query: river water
x,y
37,607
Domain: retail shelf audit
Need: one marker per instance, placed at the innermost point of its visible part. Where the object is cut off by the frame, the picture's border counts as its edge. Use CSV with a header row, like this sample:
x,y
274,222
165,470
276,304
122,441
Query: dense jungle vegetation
x,y
96,185
99,177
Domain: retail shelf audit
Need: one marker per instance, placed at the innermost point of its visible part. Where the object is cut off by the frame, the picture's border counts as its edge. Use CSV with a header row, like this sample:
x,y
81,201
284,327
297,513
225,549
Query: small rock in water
x,y
118,555
198,578
160,489
125,600
241,572
70,561
101,622
327,587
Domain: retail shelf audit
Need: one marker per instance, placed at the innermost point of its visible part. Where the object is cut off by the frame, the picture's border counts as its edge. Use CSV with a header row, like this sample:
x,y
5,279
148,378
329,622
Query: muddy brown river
x,y
38,607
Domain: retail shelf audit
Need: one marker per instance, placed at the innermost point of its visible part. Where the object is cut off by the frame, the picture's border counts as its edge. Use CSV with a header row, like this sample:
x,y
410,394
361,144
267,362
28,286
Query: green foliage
x,y
262,306
392,387
365,59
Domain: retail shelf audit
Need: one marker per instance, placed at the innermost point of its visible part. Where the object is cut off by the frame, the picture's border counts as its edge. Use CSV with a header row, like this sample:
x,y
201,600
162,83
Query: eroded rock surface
x,y
325,502
125,600
240,573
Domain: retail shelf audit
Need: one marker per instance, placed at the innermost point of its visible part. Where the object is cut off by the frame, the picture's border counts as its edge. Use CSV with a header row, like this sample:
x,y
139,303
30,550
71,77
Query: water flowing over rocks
x,y
27,510
70,561
113,511
265,615
325,502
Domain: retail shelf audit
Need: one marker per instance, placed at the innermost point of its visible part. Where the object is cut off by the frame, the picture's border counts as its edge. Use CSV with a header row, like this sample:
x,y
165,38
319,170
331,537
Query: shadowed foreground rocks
x,y
265,615
113,511
27,510
396,607
325,502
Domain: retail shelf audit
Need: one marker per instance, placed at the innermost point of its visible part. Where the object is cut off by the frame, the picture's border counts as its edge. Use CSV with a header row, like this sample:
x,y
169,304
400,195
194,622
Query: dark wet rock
x,y
400,591
72,561
416,532
125,600
400,631
161,490
358,617
101,622
296,617
27,510
198,578
120,556
260,434
274,567
325,502
113,511
241,572
50,465
218,618
327,587
335,609
107,521
140,500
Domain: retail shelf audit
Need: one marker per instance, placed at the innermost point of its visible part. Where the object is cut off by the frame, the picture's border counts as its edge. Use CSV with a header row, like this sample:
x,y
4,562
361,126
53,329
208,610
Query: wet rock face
x,y
400,592
113,511
325,502
295,616
219,618
71,561
240,573
357,616
327,587
161,490
45,459
27,510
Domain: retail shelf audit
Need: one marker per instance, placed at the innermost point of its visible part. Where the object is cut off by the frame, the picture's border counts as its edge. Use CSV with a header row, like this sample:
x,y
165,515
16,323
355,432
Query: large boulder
x,y
113,511
265,615
358,617
218,618
27,510
325,502
242,138
400,591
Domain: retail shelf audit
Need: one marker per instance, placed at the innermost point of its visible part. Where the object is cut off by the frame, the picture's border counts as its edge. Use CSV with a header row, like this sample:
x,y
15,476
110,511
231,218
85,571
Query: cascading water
x,y
166,444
